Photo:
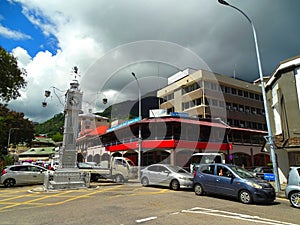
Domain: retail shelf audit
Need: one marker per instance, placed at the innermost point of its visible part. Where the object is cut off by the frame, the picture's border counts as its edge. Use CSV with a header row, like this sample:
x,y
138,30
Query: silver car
x,y
292,190
22,175
166,175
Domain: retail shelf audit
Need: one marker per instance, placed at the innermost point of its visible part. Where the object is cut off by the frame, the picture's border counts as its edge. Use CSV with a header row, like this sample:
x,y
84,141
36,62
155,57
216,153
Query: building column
x,y
172,156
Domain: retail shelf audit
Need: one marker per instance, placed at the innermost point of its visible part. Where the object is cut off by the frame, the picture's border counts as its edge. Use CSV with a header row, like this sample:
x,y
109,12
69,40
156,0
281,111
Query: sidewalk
x,y
281,193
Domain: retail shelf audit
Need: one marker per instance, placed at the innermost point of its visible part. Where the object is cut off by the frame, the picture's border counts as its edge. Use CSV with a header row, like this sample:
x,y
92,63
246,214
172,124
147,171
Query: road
x,y
109,203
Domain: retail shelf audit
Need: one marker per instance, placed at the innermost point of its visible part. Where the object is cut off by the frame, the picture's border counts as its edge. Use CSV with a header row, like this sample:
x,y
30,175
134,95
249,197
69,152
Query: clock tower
x,y
68,153
68,176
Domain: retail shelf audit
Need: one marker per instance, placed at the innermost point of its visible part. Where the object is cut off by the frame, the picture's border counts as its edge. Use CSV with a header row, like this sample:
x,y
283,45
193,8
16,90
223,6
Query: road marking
x,y
146,219
221,213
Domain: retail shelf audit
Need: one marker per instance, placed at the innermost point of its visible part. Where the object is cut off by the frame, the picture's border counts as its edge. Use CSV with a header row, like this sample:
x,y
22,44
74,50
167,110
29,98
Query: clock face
x,y
73,100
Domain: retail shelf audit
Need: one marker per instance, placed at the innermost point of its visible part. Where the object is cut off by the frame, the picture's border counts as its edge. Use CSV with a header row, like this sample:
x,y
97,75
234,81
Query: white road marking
x,y
146,219
215,212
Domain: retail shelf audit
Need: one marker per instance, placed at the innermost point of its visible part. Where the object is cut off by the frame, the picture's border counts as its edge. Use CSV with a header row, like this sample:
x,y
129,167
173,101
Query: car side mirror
x,y
230,175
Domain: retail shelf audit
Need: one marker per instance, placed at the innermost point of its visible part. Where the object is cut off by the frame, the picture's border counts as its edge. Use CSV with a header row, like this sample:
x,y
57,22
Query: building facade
x,y
239,104
283,96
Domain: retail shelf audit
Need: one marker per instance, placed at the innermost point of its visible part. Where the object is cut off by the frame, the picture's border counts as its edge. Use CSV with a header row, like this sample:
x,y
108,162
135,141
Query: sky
x,y
108,40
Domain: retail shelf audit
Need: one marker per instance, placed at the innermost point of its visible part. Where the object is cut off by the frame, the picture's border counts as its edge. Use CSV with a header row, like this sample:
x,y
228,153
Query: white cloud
x,y
16,35
87,30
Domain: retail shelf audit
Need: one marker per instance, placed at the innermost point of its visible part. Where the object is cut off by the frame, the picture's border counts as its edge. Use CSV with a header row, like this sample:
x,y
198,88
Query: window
x,y
228,106
152,168
240,92
247,109
214,102
222,88
251,95
222,104
257,97
235,107
246,94
208,169
241,108
227,90
213,86
233,91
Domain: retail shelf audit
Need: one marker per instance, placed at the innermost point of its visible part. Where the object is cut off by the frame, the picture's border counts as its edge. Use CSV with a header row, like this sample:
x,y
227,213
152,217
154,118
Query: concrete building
x,y
239,104
90,127
283,96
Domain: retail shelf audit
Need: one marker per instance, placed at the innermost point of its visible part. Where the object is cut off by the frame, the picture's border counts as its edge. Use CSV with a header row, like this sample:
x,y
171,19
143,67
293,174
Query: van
x,y
204,158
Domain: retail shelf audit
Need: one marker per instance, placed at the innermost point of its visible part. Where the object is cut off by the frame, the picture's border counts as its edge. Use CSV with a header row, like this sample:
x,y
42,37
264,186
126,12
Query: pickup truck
x,y
118,169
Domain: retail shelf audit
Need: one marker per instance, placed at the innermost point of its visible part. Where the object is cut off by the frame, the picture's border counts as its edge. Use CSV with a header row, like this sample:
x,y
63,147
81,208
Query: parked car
x,y
292,190
171,176
265,173
234,181
23,175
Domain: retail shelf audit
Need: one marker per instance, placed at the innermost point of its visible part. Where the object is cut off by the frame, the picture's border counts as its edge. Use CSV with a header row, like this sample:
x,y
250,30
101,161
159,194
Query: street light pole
x,y
140,132
270,136
9,133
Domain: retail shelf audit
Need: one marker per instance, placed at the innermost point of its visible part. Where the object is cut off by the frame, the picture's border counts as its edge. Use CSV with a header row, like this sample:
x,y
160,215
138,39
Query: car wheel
x,y
295,199
145,181
245,197
198,189
95,178
119,178
9,182
175,185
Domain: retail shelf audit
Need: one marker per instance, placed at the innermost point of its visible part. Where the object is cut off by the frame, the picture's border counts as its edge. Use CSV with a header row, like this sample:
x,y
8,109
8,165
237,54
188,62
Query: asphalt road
x,y
109,203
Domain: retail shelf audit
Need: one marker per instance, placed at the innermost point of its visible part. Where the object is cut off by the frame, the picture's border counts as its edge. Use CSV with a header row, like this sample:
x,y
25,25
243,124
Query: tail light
x,y
195,172
3,172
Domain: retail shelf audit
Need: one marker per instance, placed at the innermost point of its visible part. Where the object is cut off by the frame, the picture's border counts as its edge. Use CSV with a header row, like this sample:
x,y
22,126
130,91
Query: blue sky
x,y
23,32
108,40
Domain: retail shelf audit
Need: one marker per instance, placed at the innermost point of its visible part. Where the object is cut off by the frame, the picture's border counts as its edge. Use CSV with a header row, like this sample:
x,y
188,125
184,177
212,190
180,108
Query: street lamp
x,y
9,133
270,136
140,132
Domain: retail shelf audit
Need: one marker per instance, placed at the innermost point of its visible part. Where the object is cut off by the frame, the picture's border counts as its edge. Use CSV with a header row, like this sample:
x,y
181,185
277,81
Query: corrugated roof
x,y
39,151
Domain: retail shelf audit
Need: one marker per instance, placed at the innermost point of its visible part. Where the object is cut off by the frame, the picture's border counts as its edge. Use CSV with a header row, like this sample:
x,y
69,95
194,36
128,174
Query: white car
x,y
171,176
292,190
23,175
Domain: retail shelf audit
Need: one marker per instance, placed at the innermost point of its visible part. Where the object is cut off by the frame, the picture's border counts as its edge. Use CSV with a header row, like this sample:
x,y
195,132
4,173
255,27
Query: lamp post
x,y
9,133
270,136
140,132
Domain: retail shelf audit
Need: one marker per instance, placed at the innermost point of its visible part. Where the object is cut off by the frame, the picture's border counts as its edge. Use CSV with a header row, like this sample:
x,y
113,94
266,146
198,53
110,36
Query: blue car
x,y
234,181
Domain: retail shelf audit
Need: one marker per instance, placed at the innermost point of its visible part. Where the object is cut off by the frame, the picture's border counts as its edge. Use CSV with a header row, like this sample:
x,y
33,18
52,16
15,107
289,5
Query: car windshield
x,y
177,169
243,173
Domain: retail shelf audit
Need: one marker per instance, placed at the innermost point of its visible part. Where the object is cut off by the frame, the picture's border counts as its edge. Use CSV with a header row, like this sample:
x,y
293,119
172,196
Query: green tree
x,y
11,76
6,160
15,127
57,137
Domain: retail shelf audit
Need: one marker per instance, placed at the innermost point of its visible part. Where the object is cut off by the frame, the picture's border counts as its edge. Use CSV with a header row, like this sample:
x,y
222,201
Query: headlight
x,y
255,185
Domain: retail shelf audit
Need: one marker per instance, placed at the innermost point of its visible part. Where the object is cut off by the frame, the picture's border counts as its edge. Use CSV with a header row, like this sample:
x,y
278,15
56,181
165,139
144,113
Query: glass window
x,y
233,91
227,90
152,168
257,97
208,169
214,102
